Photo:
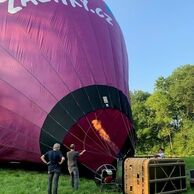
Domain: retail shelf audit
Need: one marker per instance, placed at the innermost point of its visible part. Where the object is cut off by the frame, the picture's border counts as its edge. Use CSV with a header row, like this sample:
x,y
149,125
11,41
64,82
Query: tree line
x,y
165,118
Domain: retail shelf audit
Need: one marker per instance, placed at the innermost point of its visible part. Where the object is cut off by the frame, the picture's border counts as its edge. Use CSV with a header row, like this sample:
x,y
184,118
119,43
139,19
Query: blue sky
x,y
159,35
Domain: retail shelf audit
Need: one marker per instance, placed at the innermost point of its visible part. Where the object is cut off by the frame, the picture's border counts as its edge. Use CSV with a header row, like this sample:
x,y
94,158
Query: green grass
x,y
189,161
17,181
33,182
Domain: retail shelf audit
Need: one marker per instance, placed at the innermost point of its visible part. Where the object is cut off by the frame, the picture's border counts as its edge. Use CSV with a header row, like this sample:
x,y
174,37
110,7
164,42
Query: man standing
x,y
72,156
53,159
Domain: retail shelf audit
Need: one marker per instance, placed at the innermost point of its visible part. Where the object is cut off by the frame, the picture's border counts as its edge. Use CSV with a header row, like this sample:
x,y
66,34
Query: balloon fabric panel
x,y
63,66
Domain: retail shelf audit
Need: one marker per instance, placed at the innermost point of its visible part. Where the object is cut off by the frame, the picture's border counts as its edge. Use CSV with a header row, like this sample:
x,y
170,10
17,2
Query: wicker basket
x,y
154,176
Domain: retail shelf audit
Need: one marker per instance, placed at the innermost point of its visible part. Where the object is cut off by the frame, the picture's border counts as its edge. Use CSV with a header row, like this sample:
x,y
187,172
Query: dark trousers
x,y
75,179
53,177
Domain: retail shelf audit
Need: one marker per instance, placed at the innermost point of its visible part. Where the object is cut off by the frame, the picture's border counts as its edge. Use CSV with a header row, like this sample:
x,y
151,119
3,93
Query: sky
x,y
159,35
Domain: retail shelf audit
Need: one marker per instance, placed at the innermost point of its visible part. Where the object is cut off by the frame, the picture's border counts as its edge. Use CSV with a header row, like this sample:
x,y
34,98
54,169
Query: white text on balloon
x,y
13,9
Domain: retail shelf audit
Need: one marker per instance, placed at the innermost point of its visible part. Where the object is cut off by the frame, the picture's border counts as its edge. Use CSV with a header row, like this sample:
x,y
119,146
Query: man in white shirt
x,y
160,154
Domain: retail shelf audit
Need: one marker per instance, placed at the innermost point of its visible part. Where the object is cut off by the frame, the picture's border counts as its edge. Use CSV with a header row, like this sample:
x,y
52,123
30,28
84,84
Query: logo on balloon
x,y
13,8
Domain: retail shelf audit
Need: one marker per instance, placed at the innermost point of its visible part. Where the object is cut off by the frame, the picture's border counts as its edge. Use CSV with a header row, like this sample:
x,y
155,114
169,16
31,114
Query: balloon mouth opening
x,y
102,134
96,118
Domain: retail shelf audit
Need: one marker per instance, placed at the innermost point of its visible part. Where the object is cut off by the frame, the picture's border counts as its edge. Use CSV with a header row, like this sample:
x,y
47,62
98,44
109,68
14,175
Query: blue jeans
x,y
75,178
53,177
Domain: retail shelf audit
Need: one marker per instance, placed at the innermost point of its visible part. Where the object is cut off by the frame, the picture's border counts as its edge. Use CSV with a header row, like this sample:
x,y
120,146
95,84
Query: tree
x,y
141,123
159,104
166,117
181,89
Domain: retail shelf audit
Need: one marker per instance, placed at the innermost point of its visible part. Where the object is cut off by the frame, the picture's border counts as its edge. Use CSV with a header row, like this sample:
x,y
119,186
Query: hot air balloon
x,y
63,78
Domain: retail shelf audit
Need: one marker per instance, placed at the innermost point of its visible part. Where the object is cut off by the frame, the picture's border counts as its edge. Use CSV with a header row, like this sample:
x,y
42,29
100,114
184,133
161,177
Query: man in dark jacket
x,y
72,156
53,159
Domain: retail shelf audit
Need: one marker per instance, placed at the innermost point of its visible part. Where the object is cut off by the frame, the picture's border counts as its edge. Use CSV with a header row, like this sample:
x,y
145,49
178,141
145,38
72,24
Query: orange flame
x,y
98,127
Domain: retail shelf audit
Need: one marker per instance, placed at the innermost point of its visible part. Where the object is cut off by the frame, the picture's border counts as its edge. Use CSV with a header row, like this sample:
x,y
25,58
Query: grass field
x,y
189,165
18,181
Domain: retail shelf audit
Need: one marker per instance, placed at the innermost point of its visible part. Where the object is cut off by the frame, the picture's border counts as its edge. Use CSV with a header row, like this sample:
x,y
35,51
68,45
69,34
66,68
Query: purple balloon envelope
x,y
63,78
